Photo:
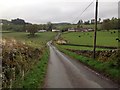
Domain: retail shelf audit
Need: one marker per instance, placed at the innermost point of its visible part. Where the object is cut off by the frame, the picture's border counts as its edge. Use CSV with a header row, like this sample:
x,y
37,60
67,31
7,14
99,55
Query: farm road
x,y
63,72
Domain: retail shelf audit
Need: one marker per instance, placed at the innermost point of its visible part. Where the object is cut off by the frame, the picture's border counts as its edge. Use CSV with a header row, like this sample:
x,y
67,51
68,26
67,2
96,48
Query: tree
x,y
32,29
4,21
18,21
49,26
87,22
106,24
64,29
119,23
44,27
92,21
114,23
99,20
79,23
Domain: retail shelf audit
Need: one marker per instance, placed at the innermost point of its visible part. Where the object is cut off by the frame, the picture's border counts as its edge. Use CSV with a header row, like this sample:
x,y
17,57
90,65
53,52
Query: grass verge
x,y
35,77
105,68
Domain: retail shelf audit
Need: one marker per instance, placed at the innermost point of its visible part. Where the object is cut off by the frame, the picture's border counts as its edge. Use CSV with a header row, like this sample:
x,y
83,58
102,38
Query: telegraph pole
x,y
96,14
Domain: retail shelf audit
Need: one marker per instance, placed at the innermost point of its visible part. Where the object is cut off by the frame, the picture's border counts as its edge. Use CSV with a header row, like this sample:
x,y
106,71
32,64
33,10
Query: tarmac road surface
x,y
64,72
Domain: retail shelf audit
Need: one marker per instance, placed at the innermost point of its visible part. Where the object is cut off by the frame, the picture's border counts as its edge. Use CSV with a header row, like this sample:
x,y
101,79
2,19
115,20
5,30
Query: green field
x,y
80,47
38,41
74,26
104,38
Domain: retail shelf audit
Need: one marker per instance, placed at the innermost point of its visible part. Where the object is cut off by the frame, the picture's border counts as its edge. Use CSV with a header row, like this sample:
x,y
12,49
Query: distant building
x,y
54,30
71,29
90,29
42,30
84,30
80,29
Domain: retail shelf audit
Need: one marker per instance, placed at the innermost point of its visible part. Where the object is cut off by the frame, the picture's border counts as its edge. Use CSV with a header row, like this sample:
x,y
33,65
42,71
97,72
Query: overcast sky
x,y
43,11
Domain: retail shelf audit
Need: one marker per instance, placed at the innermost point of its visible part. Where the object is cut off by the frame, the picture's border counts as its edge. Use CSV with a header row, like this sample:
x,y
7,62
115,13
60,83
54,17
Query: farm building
x,y
80,30
71,30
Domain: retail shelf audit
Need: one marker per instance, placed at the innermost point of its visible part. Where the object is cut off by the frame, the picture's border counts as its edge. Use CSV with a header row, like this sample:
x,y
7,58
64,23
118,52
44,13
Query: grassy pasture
x,y
81,48
104,38
37,42
74,26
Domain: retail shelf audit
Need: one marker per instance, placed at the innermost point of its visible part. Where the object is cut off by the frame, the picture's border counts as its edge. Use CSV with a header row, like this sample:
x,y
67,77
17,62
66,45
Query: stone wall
x,y
100,55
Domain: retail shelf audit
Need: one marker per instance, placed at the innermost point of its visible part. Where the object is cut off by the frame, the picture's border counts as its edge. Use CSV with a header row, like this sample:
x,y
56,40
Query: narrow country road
x,y
63,72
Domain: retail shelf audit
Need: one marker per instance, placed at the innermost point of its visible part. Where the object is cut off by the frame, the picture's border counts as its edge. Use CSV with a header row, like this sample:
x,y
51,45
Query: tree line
x,y
21,26
106,24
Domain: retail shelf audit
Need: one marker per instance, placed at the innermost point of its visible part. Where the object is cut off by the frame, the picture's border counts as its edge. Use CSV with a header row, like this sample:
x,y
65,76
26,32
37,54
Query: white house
x,y
42,30
54,30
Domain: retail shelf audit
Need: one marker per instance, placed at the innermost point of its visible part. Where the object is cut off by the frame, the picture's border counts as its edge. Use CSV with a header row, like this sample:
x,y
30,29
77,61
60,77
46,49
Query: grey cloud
x,y
59,11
